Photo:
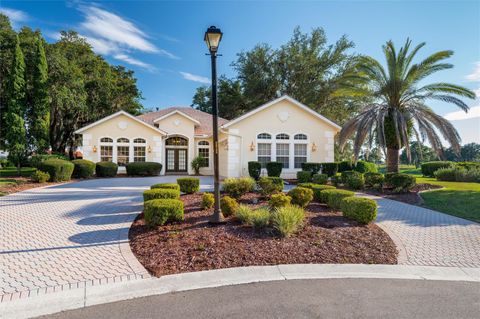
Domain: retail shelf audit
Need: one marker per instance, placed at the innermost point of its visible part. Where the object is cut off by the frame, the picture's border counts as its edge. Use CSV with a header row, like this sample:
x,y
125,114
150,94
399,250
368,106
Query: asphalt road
x,y
324,298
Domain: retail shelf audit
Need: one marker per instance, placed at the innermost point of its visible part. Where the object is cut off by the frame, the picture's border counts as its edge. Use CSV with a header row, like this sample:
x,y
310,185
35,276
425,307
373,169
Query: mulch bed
x,y
412,197
194,245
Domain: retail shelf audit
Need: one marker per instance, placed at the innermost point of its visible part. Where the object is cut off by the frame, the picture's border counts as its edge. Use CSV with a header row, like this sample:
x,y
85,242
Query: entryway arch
x,y
176,154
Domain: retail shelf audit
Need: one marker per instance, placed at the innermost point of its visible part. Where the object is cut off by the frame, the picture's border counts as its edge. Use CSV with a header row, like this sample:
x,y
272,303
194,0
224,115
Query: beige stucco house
x,y
283,130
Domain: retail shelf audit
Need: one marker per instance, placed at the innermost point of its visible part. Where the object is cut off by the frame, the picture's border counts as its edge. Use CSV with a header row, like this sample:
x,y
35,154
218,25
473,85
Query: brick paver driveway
x,y
69,235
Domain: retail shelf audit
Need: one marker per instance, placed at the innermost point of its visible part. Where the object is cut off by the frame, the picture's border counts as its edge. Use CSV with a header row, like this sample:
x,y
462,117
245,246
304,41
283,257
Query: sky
x,y
162,41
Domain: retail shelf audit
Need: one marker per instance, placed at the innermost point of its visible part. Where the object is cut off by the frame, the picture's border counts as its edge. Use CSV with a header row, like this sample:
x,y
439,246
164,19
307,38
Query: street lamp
x,y
213,36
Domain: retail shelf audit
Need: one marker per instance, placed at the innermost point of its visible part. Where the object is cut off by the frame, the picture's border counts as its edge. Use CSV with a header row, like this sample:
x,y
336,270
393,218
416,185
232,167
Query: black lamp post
x,y
212,38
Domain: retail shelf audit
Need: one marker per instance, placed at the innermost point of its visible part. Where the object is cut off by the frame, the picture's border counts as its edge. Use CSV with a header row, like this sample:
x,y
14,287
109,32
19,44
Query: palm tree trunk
x,y
392,160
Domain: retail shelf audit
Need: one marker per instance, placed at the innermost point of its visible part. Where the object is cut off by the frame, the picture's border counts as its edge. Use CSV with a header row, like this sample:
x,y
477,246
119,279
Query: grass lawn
x,y
6,183
12,171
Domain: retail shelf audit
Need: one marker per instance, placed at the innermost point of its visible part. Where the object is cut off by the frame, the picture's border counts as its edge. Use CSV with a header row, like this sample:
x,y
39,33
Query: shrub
x,y
166,186
301,196
160,193
270,185
159,211
307,185
40,177
189,185
274,169
362,210
353,179
228,205
236,187
83,168
208,200
244,214
334,197
458,174
304,176
429,168
446,174
345,166
197,163
374,180
320,178
58,169
330,169
364,167
286,220
279,200
314,168
254,169
400,182
35,160
106,169
143,169
318,192
260,218
468,165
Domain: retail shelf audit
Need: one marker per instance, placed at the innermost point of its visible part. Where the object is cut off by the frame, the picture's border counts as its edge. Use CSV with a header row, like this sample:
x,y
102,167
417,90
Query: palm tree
x,y
399,108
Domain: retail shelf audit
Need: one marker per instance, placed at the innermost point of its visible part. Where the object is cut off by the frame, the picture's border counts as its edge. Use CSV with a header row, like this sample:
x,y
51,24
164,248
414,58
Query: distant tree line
x,y
47,91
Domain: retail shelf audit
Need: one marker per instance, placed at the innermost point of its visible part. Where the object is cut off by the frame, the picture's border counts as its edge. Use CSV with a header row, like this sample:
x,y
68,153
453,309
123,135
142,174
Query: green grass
x,y
12,171
7,182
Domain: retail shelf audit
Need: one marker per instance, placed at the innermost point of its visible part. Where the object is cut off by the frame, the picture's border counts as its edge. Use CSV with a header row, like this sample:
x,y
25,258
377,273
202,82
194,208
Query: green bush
x,y
106,169
364,167
286,220
166,186
35,160
237,187
4,162
400,182
254,169
334,197
362,210
446,174
330,169
311,167
270,185
58,169
301,196
374,180
353,179
228,205
197,163
458,174
258,218
208,200
274,169
345,166
40,177
189,185
160,193
468,165
244,214
318,192
304,176
159,211
279,200
143,169
320,179
429,168
83,168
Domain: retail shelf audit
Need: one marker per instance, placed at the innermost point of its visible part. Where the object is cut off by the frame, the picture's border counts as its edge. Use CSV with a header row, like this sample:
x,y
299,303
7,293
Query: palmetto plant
x,y
399,109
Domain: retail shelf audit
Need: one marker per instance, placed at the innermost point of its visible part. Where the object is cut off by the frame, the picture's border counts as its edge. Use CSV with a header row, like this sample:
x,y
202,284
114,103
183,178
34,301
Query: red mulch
x,y
194,245
24,183
412,197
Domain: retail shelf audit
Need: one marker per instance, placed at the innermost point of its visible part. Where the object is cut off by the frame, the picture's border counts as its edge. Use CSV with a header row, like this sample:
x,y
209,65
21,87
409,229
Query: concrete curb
x,y
91,295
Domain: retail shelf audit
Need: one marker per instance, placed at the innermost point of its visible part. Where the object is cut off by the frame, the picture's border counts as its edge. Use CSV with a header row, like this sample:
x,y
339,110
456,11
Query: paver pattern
x,y
70,235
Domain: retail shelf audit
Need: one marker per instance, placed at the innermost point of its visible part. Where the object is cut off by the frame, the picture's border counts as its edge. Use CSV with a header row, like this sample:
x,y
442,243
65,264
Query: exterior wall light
x,y
314,147
149,149
94,148
252,147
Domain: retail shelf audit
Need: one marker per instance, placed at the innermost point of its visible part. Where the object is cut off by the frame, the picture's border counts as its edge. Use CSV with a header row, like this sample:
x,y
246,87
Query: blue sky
x,y
163,41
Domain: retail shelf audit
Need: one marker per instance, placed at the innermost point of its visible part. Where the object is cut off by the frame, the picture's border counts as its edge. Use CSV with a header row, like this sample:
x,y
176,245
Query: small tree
x,y
197,163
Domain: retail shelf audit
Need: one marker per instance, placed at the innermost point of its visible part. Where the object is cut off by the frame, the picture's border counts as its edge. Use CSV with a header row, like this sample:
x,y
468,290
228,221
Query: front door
x,y
176,160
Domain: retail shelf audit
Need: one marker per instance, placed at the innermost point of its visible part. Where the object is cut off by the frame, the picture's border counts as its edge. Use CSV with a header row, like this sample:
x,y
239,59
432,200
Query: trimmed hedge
x,y
12,171
166,186
362,210
304,176
374,180
237,187
159,211
334,197
58,169
208,200
189,185
40,177
254,169
353,179
279,200
330,169
314,168
270,185
143,169
345,166
429,168
106,169
160,193
318,192
228,206
458,174
35,160
400,182
320,179
83,168
301,196
364,167
274,169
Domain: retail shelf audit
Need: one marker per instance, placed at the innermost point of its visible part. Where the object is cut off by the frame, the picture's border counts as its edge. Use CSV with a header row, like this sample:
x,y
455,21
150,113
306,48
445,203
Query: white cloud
x,y
133,61
474,112
195,78
15,15
475,75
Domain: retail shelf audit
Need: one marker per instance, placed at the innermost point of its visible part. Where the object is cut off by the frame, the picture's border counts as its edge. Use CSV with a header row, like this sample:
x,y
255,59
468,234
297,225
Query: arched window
x,y
203,143
264,136
282,150
282,136
123,140
106,149
203,150
176,141
106,140
300,137
139,141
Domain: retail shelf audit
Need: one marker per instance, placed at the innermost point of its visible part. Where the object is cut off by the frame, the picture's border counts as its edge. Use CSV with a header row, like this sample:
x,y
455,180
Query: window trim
x,y
208,147
115,144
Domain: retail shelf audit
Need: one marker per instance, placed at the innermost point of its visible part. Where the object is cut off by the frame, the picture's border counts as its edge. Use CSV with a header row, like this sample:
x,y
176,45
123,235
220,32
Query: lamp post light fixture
x,y
213,36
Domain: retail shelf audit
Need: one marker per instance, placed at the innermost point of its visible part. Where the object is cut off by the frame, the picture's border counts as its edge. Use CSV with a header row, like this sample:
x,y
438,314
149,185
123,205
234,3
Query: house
x,y
283,130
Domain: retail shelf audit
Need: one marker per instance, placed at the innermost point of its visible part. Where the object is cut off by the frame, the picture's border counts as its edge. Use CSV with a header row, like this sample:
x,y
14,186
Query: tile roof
x,y
205,119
